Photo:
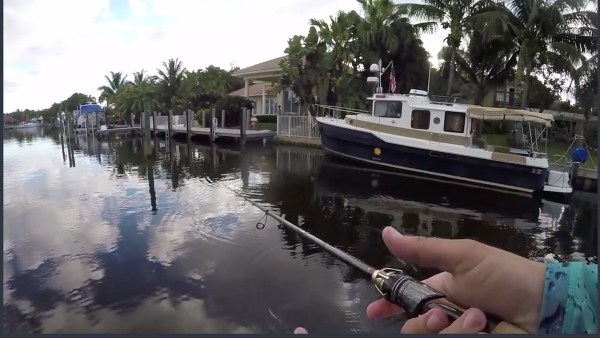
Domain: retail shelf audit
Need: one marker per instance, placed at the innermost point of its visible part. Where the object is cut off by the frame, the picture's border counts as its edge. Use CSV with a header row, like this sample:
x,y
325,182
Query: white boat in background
x,y
91,113
411,133
33,123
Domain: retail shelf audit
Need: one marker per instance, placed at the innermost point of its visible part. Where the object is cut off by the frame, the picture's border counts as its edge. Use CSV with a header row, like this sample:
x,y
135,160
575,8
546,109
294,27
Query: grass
x,y
555,150
265,125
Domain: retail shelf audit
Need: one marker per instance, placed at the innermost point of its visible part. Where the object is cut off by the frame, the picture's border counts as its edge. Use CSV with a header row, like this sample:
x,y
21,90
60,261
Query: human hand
x,y
474,276
436,321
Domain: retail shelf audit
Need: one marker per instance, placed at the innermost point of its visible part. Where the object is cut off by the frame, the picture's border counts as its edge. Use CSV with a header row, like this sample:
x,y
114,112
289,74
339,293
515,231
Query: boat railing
x,y
436,99
337,111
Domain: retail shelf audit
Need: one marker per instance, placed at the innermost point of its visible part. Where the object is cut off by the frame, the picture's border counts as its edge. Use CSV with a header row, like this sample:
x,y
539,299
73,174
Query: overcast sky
x,y
53,48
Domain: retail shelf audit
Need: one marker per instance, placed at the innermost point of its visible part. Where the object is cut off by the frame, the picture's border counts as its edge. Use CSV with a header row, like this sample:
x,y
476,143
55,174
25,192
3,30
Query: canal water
x,y
116,237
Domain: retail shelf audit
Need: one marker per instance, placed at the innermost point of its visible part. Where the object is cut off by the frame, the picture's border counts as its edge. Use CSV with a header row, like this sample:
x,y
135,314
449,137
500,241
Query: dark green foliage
x,y
233,106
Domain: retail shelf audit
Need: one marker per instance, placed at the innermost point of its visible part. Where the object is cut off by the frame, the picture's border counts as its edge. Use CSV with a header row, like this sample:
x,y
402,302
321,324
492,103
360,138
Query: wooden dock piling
x,y
146,130
243,126
170,125
223,118
189,120
213,125
154,124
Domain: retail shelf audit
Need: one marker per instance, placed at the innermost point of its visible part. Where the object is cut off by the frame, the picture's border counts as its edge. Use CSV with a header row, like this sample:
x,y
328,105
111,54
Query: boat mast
x,y
377,68
379,86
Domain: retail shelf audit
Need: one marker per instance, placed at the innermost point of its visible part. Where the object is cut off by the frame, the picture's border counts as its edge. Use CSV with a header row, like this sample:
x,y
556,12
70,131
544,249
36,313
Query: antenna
x,y
376,68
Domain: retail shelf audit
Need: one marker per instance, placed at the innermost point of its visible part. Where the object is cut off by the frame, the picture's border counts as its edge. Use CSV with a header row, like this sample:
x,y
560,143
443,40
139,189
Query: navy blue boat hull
x,y
366,147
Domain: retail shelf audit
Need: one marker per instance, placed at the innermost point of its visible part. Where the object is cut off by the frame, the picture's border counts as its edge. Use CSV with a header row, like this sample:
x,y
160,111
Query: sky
x,y
53,49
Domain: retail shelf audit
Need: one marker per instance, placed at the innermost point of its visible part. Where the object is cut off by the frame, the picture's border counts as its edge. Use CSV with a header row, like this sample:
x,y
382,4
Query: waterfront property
x,y
259,87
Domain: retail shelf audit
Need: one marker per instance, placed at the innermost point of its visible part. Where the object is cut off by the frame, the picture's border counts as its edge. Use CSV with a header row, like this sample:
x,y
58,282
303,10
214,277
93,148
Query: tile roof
x,y
272,64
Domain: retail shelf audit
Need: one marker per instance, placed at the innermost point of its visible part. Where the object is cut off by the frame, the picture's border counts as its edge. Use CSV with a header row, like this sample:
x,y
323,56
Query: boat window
x,y
388,109
420,119
454,122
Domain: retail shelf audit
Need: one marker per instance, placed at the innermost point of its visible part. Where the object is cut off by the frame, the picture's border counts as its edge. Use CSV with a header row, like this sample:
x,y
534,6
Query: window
x,y
391,109
454,122
270,107
420,119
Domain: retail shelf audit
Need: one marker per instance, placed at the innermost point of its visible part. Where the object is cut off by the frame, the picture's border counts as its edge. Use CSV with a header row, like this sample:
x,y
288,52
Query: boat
x,y
33,123
412,133
91,113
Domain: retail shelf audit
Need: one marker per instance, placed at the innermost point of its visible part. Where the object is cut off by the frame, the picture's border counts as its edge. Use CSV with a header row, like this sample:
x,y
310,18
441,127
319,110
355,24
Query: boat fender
x,y
579,155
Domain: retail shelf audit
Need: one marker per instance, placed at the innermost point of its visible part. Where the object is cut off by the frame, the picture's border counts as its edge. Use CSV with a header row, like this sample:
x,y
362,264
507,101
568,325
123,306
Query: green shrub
x,y
267,118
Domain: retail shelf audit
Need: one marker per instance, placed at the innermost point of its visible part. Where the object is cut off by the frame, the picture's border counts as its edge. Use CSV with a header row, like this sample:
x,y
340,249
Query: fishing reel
x,y
417,298
412,295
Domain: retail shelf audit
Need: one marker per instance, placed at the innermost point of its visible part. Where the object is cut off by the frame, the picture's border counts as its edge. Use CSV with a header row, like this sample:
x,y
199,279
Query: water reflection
x,y
146,238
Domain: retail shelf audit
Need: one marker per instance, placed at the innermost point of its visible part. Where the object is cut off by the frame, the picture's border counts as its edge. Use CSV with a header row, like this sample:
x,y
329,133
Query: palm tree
x,y
484,64
116,81
542,29
340,35
459,16
135,93
170,80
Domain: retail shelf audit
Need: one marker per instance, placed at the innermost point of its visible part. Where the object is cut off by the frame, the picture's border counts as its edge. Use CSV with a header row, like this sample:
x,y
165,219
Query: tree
x,y
459,16
331,63
544,27
170,80
115,80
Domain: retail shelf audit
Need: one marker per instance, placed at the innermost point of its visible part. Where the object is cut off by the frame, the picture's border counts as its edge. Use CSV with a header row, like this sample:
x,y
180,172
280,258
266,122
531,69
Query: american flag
x,y
392,80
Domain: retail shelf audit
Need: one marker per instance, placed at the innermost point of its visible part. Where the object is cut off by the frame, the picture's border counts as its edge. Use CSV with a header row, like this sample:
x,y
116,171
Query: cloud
x,y
56,48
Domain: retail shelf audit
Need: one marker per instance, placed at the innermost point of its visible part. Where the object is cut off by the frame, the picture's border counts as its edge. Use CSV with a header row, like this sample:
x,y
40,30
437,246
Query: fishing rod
x,y
394,285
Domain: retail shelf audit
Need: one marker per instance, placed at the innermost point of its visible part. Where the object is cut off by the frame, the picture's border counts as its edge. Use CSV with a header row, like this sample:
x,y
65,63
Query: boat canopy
x,y
499,114
89,108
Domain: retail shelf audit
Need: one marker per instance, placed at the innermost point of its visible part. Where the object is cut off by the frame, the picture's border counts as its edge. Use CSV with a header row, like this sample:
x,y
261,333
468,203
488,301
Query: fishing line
x,y
394,285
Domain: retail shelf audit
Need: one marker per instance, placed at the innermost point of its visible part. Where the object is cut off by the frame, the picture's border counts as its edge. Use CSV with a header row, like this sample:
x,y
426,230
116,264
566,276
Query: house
x,y
259,87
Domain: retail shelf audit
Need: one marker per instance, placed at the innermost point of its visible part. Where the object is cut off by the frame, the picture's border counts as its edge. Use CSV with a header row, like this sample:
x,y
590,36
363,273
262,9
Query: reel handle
x,y
417,298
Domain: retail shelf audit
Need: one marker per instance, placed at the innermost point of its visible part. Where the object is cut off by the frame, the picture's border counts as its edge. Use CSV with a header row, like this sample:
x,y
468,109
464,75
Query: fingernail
x,y
434,323
473,320
300,330
368,307
392,232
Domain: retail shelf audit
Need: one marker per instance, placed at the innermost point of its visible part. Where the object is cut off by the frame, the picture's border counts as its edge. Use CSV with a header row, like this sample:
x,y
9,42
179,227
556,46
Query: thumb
x,y
444,254
300,330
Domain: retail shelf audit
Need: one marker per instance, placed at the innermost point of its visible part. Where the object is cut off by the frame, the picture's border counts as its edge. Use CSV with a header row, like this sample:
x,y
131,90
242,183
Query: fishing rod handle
x,y
417,298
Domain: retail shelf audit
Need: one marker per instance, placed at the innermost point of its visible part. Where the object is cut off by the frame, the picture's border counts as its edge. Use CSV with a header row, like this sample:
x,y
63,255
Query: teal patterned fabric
x,y
570,301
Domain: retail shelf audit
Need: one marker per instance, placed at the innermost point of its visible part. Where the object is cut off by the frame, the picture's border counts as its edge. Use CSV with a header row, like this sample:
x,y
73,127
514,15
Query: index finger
x,y
444,254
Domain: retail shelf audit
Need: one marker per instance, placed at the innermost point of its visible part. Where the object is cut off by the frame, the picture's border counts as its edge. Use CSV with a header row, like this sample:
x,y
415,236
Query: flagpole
x,y
429,77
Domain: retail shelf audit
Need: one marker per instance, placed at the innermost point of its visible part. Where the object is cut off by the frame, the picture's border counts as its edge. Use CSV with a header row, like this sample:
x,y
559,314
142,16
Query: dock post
x,y
154,123
223,118
213,125
170,124
189,118
132,120
147,127
203,118
87,124
243,126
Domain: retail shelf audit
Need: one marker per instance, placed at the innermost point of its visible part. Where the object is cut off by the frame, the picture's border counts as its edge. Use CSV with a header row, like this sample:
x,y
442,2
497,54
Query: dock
x,y
185,126
229,133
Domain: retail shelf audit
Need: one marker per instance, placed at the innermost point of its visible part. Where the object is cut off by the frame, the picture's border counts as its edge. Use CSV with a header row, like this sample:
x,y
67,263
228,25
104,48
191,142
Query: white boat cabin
x,y
415,115
415,111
